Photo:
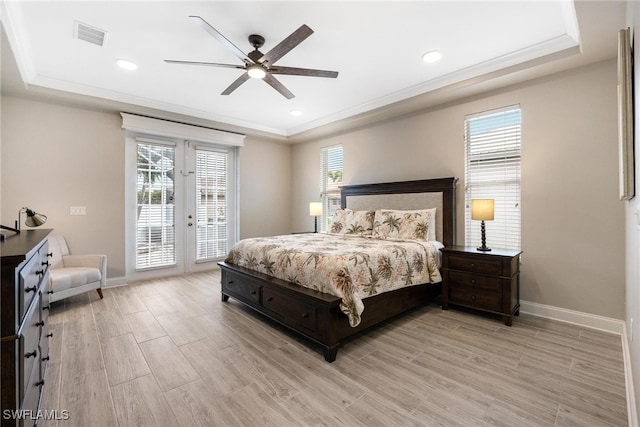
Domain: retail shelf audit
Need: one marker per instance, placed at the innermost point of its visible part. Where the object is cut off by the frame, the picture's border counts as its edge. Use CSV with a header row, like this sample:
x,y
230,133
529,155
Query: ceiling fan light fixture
x,y
256,72
432,56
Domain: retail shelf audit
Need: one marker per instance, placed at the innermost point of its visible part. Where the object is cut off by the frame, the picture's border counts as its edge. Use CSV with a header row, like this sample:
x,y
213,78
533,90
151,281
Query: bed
x,y
322,316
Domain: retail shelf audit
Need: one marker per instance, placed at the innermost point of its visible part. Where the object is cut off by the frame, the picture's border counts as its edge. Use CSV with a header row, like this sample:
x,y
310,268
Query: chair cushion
x,y
72,277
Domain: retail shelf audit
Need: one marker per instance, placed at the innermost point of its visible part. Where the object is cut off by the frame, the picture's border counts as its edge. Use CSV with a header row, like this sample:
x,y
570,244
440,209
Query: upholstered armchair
x,y
74,274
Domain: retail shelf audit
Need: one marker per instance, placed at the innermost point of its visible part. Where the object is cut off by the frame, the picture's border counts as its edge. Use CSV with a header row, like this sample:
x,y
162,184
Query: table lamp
x,y
482,210
315,210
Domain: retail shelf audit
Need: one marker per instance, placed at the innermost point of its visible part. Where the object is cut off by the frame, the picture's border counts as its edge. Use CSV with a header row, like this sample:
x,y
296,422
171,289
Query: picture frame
x,y
626,115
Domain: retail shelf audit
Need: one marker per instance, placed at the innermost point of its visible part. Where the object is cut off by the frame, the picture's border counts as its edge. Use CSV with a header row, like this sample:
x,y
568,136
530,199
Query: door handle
x,y
190,224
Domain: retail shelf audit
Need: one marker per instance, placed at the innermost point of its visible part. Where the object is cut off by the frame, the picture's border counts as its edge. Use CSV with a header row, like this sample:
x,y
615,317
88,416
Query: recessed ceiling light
x,y
295,113
432,56
126,64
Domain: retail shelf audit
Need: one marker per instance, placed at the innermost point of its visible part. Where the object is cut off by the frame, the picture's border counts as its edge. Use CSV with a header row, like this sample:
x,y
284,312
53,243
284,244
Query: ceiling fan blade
x,y
294,71
210,64
275,83
243,78
282,48
222,39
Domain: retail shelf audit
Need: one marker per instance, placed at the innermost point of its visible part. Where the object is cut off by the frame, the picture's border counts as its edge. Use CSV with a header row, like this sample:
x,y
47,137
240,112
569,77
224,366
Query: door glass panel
x,y
155,216
211,205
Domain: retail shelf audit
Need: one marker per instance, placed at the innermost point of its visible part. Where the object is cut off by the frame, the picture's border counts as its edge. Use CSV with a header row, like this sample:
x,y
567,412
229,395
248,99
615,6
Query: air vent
x,y
89,34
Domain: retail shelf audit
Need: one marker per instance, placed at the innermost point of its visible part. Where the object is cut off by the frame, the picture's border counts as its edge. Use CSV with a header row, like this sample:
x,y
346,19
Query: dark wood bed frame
x,y
316,315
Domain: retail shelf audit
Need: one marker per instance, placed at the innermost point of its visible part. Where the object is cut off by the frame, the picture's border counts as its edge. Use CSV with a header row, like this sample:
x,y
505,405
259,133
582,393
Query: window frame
x,y
492,167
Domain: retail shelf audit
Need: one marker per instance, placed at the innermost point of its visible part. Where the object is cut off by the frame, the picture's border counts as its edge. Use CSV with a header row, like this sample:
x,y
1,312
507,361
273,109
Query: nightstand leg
x,y
508,320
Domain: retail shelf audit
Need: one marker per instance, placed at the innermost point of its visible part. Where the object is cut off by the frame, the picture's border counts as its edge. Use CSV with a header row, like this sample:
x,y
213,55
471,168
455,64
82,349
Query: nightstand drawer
x,y
473,264
476,297
474,281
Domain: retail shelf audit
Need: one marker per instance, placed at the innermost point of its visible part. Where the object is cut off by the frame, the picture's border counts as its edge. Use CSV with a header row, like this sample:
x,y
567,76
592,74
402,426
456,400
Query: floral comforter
x,y
348,267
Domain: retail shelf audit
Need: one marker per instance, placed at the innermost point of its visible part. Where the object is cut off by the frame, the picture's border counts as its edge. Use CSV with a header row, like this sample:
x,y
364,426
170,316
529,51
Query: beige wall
x,y
573,232
56,156
265,194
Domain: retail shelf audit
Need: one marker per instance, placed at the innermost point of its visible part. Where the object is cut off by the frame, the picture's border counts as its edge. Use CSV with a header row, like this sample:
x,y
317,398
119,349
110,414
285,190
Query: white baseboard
x,y
592,321
116,281
601,323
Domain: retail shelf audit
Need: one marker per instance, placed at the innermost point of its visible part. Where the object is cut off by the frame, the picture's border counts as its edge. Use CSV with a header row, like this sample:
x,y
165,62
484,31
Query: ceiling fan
x,y
257,64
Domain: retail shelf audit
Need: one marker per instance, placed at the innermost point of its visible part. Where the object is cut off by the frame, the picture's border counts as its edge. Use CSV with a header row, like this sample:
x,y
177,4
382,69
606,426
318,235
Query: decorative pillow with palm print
x,y
405,225
356,223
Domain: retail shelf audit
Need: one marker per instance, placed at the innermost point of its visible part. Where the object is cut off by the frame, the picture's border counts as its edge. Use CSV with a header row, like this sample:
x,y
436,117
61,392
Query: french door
x,y
185,206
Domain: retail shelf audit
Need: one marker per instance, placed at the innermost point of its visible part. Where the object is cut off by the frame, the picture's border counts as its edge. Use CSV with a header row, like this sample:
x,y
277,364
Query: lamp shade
x,y
34,219
315,209
482,209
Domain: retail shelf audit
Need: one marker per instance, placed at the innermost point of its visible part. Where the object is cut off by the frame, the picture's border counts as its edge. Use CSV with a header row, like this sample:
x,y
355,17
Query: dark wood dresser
x,y
487,281
24,325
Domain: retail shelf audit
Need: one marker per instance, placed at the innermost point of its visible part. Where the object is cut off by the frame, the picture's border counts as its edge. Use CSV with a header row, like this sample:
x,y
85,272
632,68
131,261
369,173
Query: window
x,y
492,171
331,169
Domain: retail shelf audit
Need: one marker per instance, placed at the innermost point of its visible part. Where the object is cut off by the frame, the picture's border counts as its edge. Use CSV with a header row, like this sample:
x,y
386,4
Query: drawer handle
x,y
473,298
40,272
44,359
46,307
39,383
305,315
473,265
50,334
46,263
49,292
31,289
253,292
40,323
269,299
473,281
50,254
33,353
230,282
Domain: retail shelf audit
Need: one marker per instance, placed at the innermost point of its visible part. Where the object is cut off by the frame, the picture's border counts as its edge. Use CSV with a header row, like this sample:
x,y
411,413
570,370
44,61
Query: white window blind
x,y
331,170
492,171
155,224
211,204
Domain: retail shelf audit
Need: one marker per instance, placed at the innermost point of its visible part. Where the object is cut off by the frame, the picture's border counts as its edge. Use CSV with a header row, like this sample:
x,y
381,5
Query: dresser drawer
x,y
31,399
294,312
245,289
29,354
476,297
29,282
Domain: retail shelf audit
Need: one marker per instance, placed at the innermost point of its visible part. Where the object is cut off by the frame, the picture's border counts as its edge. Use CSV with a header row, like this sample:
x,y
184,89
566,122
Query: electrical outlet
x,y
77,210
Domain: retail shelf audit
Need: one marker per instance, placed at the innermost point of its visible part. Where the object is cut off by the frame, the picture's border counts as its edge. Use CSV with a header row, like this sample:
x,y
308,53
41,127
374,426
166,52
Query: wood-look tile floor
x,y
169,352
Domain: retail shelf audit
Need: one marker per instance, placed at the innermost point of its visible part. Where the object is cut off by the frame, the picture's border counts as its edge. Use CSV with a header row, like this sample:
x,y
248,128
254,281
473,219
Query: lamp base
x,y
483,239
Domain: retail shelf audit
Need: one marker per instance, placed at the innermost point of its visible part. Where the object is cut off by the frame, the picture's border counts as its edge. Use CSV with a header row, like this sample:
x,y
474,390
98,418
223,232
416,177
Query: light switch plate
x,y
78,210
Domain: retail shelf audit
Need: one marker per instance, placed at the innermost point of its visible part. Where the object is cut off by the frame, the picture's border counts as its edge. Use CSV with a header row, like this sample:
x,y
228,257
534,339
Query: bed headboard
x,y
428,193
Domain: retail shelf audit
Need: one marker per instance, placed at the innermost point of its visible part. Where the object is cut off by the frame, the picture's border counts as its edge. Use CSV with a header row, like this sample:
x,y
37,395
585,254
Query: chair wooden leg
x,y
99,292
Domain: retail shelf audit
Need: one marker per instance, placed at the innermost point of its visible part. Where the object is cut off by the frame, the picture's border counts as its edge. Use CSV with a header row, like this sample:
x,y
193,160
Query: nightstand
x,y
486,281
